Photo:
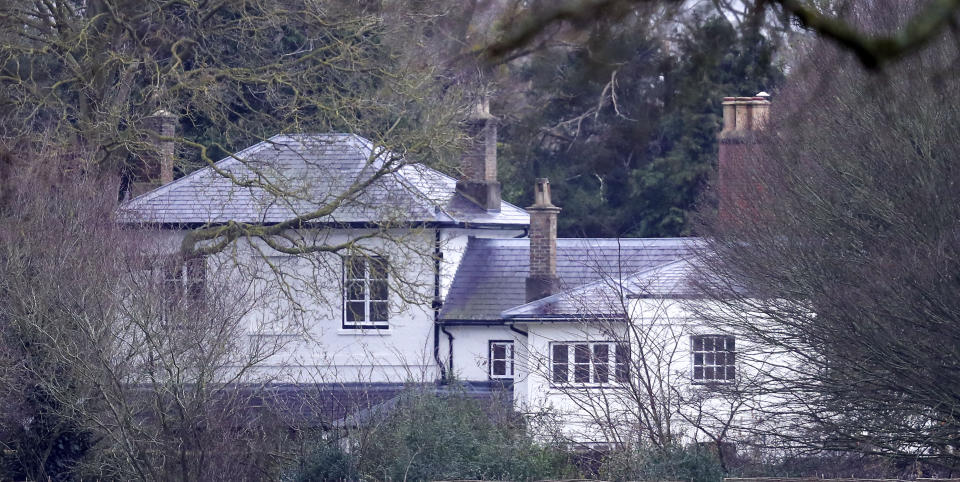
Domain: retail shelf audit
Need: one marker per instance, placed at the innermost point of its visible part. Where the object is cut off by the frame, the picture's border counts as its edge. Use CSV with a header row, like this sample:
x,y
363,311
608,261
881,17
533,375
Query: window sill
x,y
582,387
712,383
364,332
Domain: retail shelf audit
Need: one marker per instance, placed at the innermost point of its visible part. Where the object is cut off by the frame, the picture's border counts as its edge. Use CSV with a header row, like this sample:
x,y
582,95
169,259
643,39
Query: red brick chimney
x,y
156,167
479,161
743,118
542,281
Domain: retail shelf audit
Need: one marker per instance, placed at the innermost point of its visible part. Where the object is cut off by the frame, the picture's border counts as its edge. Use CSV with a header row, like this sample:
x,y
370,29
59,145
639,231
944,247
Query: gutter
x,y
334,225
519,331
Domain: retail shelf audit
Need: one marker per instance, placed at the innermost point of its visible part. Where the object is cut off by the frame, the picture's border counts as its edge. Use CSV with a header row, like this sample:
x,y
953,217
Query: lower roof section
x,y
492,276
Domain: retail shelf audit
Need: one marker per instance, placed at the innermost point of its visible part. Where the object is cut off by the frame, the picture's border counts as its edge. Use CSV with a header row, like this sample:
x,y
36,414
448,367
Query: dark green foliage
x,y
326,462
638,167
439,437
671,463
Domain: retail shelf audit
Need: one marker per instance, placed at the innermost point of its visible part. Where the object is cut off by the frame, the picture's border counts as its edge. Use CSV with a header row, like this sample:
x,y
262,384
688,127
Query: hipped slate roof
x,y
492,276
310,170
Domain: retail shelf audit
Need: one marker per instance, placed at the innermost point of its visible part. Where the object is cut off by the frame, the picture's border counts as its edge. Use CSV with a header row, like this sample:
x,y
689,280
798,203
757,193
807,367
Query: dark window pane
x,y
731,344
581,353
378,268
601,363
731,372
708,373
601,373
601,353
698,359
355,268
559,363
581,373
698,373
560,353
559,373
698,343
355,290
708,359
197,277
581,358
378,311
623,363
355,311
378,290
499,352
720,358
731,358
499,367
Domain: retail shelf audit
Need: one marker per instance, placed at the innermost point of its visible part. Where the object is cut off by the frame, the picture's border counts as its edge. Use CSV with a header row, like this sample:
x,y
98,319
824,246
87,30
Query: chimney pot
x,y
156,167
542,281
743,117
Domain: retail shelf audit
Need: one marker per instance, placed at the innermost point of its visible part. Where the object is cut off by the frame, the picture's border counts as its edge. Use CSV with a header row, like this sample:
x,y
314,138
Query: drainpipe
x,y
437,304
450,341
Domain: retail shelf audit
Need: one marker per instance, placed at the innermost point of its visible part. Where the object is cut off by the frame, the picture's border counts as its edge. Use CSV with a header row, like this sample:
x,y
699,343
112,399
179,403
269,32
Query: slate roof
x,y
342,405
606,297
310,170
492,276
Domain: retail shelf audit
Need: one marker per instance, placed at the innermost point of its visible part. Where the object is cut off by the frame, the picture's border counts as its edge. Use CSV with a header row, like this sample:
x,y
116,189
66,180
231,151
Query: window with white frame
x,y
589,363
501,359
714,358
184,278
366,296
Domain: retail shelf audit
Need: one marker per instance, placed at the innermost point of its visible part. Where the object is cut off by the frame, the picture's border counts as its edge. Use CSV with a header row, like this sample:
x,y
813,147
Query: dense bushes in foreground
x,y
428,436
442,437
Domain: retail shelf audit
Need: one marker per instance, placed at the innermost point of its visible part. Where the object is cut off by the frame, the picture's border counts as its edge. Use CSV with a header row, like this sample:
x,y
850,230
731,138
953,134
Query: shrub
x,y
429,436
326,462
669,463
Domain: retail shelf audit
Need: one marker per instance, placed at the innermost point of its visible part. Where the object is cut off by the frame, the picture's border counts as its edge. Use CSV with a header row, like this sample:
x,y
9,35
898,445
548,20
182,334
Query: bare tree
x,y
841,257
119,360
872,49
619,369
90,77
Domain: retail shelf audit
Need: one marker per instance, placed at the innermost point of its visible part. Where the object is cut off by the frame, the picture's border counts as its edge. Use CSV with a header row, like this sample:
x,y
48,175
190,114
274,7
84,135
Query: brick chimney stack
x,y
479,161
542,281
156,169
743,118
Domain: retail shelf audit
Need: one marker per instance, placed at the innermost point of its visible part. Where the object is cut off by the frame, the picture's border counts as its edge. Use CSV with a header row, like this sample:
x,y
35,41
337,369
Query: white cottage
x,y
441,280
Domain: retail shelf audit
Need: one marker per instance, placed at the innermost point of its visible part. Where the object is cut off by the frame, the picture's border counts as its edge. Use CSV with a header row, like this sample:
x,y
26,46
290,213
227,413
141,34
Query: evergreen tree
x,y
627,131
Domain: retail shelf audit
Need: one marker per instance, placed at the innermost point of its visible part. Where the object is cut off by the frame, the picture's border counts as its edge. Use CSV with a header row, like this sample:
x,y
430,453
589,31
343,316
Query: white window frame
x,y
184,278
365,283
617,371
508,360
706,358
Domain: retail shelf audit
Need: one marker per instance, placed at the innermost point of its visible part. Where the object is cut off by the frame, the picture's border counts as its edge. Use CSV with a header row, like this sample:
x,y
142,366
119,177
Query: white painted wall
x,y
471,349
295,313
659,336
470,345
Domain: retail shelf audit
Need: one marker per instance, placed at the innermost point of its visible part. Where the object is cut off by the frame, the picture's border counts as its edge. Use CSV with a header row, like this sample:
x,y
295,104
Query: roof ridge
x,y
557,296
425,196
